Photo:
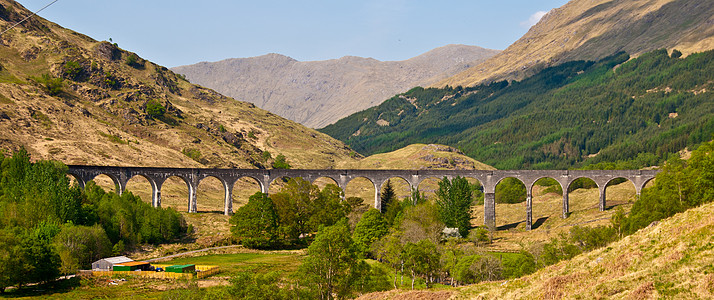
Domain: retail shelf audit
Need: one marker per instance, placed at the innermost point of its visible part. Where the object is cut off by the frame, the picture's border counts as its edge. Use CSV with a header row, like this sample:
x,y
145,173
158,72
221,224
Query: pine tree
x,y
388,196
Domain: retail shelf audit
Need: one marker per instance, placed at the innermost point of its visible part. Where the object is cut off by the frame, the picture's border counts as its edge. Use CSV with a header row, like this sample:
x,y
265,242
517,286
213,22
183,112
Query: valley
x,y
558,139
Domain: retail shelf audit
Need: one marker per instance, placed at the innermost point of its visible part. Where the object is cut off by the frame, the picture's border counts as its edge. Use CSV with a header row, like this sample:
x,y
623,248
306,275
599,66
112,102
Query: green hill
x,y
570,115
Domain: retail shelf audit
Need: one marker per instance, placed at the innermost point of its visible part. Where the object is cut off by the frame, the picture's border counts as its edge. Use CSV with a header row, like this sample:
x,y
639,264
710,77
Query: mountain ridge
x,y
592,30
314,93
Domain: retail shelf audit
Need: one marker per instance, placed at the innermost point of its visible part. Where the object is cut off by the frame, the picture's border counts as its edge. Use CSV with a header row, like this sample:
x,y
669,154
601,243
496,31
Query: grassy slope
x,y
584,29
91,122
674,258
418,156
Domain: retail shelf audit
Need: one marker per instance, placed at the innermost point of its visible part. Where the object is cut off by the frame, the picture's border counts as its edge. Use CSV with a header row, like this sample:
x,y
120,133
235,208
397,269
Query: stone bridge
x,y
488,179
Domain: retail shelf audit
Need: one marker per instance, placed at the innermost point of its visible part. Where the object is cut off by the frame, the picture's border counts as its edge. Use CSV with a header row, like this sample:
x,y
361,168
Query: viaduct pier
x,y
488,179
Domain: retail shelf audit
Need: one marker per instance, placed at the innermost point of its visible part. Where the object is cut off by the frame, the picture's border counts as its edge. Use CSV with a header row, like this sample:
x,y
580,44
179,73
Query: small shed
x,y
132,266
107,264
181,269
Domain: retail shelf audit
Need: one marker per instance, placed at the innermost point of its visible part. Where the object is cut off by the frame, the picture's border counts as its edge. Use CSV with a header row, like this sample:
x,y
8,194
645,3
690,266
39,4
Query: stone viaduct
x,y
487,178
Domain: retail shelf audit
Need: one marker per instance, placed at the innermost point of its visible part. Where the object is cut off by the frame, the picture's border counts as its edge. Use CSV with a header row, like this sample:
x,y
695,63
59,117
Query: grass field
x,y
253,261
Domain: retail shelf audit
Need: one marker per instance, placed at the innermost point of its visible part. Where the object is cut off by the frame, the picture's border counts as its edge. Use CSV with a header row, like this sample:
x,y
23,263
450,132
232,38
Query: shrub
x,y
72,70
52,85
281,162
194,154
133,61
154,109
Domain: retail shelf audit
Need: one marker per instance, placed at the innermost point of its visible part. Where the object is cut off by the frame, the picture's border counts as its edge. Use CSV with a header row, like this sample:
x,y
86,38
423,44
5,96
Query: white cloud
x,y
533,19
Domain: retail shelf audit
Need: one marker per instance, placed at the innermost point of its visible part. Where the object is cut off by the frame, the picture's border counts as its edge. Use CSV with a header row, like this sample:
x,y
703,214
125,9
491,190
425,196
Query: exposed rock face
x,y
318,93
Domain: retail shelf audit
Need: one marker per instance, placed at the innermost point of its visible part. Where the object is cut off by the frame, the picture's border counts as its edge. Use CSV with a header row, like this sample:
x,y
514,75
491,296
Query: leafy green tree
x,y
477,268
330,259
450,255
295,205
519,265
78,246
420,222
38,260
454,199
281,162
369,229
393,210
10,247
32,193
256,223
422,260
416,197
389,249
328,207
126,218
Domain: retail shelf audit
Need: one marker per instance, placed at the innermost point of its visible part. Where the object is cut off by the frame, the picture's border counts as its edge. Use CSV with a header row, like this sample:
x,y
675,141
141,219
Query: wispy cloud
x,y
533,19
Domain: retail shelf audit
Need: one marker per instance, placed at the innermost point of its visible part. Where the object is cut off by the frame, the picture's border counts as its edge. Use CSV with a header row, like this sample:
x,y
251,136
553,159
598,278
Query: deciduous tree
x,y
256,223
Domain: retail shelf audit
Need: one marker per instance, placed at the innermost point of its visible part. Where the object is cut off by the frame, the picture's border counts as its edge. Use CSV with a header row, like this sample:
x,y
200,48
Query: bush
x,y
52,85
519,265
281,162
192,153
480,235
72,70
154,109
134,61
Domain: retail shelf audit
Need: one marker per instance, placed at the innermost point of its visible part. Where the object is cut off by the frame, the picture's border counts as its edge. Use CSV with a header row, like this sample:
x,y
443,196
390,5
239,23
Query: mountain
x,y
594,29
67,97
578,113
318,93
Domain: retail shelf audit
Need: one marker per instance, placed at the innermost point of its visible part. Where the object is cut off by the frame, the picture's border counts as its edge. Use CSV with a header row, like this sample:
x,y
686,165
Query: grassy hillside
x,y
418,157
67,97
672,259
594,29
577,113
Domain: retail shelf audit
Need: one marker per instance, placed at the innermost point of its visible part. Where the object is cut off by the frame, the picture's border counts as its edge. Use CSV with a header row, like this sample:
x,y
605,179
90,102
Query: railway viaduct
x,y
488,179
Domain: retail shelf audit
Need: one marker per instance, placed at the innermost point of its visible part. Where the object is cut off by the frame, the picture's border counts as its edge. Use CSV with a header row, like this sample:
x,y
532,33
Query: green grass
x,y
230,264
113,138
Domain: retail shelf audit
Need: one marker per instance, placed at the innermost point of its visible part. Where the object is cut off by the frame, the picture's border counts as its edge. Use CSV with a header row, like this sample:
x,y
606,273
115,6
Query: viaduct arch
x,y
488,178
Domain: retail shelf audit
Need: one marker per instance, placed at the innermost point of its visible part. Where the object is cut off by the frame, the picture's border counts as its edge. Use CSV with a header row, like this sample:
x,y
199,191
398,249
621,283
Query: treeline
x,y
49,227
571,115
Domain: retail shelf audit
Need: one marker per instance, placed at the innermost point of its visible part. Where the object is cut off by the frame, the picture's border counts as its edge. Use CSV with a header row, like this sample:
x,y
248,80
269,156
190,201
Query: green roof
x,y
181,268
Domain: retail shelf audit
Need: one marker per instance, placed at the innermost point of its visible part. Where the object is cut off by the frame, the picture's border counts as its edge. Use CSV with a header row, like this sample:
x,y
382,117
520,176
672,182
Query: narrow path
x,y
190,252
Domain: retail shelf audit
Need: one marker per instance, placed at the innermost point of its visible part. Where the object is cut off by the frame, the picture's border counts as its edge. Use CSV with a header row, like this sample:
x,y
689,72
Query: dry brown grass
x,y
673,259
591,30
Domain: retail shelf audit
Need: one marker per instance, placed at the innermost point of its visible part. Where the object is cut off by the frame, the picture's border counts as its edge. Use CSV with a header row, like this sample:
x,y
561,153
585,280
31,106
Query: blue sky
x,y
174,33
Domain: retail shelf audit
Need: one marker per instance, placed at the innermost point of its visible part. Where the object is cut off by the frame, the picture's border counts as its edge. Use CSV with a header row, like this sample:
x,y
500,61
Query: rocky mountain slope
x,y
318,93
67,97
593,29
